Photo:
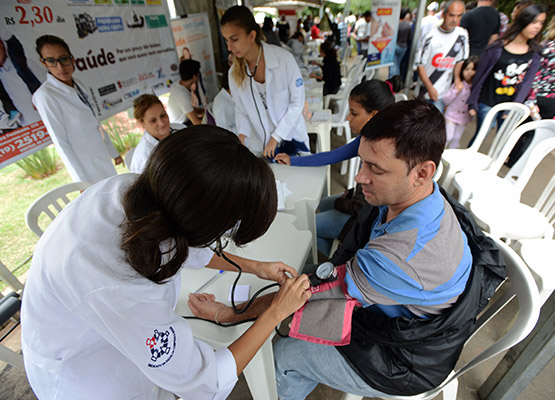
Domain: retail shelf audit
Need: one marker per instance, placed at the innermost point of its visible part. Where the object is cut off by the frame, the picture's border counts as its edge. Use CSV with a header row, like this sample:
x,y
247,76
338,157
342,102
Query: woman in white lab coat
x,y
266,86
98,319
149,111
67,113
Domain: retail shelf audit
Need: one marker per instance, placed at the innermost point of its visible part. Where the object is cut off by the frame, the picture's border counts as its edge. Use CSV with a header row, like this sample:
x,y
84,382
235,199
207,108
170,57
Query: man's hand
x,y
205,306
274,271
118,160
432,92
270,149
472,112
283,158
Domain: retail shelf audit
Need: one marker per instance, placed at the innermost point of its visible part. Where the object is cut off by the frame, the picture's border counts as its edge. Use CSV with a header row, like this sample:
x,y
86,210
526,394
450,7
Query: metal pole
x,y
414,47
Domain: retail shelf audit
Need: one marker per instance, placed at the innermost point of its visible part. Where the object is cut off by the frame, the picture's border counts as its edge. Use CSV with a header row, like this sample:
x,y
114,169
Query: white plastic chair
x,y
514,220
400,97
51,203
456,160
539,254
487,183
9,306
520,284
353,78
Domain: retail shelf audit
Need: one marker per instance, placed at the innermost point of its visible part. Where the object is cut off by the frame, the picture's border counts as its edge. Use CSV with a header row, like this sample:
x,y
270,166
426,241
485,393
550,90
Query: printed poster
x,y
122,48
194,41
383,32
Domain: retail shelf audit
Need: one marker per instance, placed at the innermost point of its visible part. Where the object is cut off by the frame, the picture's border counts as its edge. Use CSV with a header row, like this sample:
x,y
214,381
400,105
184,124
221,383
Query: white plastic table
x,y
283,242
307,185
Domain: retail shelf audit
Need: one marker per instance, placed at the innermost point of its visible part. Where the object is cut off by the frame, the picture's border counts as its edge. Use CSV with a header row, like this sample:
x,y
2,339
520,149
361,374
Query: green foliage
x,y
123,132
40,164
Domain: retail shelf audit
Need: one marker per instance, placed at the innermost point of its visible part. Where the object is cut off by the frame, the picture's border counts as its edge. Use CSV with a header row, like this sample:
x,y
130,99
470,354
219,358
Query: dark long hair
x,y
372,95
198,183
523,19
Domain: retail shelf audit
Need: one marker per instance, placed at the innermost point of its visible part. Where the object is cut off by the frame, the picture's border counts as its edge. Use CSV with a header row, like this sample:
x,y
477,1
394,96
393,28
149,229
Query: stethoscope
x,y
252,93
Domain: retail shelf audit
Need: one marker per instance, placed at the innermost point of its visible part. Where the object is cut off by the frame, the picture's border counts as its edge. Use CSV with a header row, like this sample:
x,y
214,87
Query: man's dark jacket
x,y
407,356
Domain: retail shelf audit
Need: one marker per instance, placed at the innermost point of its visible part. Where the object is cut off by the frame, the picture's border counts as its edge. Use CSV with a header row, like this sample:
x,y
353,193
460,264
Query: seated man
x,y
186,102
408,263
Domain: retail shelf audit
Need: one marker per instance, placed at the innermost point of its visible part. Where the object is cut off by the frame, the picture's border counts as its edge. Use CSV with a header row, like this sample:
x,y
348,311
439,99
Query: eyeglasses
x,y
52,62
221,243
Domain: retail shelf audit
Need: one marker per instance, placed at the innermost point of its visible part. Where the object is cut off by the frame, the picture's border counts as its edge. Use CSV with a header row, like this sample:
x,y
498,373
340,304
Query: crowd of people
x,y
105,277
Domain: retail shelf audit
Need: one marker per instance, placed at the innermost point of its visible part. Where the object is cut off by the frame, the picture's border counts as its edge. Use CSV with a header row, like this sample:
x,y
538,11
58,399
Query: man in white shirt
x,y
363,33
442,54
180,105
429,21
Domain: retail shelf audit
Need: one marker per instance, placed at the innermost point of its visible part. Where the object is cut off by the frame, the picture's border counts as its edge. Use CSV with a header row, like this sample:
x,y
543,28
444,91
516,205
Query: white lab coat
x,y
145,148
223,108
75,131
88,319
285,99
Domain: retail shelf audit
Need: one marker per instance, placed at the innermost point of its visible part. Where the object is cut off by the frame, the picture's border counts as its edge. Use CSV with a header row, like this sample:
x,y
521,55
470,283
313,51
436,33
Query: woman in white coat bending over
x,y
98,313
149,111
65,109
266,86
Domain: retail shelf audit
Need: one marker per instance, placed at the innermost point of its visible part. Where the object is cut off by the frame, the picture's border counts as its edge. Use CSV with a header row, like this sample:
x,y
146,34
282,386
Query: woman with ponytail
x,y
266,86
98,318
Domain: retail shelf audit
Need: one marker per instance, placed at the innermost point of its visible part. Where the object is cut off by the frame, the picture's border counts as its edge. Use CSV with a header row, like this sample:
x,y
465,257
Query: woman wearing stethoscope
x,y
266,86
68,116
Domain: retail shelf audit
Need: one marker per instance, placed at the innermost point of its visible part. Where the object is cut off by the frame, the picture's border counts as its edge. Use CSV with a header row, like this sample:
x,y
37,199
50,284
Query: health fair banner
x,y
383,35
122,48
193,41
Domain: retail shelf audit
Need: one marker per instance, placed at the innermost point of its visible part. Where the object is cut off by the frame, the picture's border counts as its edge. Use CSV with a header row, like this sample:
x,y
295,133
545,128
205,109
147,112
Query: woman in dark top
x,y
508,66
331,72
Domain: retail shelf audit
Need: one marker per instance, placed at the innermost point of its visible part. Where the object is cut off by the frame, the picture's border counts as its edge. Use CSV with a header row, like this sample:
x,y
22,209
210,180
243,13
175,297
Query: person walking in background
x,y
456,113
363,33
403,36
430,21
483,24
284,29
64,107
508,66
268,31
442,54
542,95
331,71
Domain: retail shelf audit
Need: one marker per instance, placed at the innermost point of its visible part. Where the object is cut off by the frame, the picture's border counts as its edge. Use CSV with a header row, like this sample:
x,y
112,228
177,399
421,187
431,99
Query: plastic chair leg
x,y
349,396
450,391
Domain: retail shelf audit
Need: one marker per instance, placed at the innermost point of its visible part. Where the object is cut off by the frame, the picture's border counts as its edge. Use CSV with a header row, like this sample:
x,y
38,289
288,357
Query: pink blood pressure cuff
x,y
326,316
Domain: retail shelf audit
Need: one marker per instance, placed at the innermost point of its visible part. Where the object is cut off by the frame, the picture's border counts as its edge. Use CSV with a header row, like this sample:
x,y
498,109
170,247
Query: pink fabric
x,y
350,304
456,108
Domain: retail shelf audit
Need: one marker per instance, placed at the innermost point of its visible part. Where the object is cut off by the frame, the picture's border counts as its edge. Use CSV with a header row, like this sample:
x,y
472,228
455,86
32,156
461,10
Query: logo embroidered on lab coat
x,y
161,346
299,82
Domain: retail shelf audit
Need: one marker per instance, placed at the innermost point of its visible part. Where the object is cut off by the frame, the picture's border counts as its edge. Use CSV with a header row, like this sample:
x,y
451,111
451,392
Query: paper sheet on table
x,y
241,293
282,192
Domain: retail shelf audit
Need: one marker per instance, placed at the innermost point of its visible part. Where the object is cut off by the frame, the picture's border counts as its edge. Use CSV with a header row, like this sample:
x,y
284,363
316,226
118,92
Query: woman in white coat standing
x,y
68,116
98,319
266,86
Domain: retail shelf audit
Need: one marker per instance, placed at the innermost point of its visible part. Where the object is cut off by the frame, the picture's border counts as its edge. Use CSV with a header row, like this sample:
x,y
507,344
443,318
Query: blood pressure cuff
x,y
326,316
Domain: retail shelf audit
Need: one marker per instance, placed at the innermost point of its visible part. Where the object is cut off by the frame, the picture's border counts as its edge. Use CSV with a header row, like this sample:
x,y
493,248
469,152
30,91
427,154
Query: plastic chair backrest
x,y
521,284
51,203
537,154
400,97
546,201
543,131
510,142
517,113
